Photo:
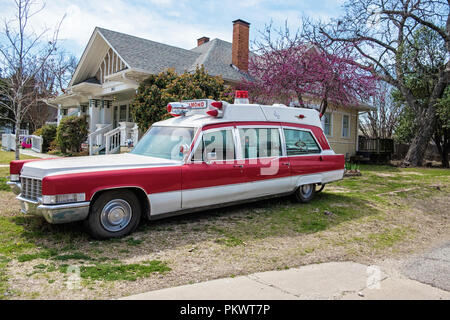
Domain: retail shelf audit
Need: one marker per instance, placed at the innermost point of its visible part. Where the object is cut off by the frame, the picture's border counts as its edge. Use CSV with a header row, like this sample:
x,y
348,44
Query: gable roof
x,y
154,57
148,55
216,56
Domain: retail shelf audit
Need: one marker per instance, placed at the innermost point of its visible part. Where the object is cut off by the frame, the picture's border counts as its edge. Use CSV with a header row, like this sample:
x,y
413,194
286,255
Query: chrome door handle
x,y
286,164
238,166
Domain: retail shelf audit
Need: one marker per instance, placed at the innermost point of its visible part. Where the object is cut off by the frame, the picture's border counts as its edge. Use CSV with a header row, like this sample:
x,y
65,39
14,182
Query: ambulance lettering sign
x,y
197,104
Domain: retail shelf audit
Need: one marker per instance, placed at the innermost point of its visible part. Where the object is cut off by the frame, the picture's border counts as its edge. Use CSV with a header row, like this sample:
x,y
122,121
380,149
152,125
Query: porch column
x,y
59,116
94,114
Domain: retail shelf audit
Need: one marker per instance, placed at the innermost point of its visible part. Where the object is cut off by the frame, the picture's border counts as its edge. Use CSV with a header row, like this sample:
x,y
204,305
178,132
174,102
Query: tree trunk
x,y
445,150
445,162
442,145
418,147
17,141
324,106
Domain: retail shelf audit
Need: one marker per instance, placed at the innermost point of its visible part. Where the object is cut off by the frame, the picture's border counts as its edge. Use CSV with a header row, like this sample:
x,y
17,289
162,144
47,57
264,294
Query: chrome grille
x,y
31,188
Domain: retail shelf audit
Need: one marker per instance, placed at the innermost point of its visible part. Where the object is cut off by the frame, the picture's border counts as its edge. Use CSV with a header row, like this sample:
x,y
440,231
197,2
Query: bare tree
x,y
51,80
24,54
379,31
381,123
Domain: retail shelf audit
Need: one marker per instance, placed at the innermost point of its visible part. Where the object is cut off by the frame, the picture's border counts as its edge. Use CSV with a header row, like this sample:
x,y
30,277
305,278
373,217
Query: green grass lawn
x,y
4,173
374,215
7,156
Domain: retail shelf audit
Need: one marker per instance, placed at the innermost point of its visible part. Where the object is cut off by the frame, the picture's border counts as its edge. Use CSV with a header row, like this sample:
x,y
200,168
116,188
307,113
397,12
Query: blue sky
x,y
174,22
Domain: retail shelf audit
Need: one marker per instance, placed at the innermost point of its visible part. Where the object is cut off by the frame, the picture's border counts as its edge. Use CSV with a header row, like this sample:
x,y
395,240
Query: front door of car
x,y
213,175
266,170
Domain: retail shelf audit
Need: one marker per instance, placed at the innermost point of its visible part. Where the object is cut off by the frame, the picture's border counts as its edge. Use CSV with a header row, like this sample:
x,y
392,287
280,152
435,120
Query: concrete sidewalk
x,y
334,280
32,153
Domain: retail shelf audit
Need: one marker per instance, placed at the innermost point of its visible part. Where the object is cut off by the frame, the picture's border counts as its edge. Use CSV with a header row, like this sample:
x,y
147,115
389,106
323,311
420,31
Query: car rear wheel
x,y
114,214
305,193
319,188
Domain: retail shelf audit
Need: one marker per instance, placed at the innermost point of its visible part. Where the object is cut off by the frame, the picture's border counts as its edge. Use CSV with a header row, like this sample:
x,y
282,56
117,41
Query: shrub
x,y
155,92
38,132
71,133
48,134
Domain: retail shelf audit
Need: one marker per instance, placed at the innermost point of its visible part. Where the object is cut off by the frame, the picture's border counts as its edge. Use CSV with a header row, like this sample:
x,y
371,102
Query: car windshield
x,y
164,142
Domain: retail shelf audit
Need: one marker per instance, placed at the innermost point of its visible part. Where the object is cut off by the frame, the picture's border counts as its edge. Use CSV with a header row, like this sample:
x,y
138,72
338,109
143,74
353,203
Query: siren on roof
x,y
177,109
241,97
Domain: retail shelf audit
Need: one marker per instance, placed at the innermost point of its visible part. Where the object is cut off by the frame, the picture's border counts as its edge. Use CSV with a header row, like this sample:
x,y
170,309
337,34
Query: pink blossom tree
x,y
286,68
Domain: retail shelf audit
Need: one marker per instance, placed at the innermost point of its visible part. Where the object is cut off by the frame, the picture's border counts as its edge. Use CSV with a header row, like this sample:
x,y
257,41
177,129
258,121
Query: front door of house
x,y
120,114
115,116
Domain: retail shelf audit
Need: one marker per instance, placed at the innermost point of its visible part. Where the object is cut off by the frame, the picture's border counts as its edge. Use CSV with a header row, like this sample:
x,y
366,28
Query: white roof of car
x,y
247,112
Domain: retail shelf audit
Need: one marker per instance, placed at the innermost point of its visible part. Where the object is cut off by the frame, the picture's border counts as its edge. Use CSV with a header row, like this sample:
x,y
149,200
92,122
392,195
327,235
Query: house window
x,y
346,126
327,124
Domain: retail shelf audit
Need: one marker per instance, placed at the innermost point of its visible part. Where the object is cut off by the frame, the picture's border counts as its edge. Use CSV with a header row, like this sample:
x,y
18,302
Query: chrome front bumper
x,y
55,213
16,187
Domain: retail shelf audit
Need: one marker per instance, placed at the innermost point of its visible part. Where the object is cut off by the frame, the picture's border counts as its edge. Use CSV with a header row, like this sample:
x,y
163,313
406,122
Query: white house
x,y
113,64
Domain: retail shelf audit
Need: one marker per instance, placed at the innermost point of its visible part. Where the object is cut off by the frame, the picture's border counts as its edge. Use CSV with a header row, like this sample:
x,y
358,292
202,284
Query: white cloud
x,y
174,22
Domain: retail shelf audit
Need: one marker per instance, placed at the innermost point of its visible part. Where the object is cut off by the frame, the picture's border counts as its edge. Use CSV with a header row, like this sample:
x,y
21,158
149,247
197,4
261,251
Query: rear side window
x,y
260,142
300,142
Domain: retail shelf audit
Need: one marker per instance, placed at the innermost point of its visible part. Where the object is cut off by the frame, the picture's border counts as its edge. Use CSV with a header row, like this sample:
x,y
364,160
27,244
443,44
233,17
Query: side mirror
x,y
211,156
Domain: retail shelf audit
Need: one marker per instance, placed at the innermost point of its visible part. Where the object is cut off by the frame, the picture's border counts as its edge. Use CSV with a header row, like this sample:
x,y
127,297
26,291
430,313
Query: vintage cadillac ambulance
x,y
209,154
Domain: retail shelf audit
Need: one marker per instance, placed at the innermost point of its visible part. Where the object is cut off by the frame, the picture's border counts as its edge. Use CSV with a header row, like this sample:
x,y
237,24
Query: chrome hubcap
x,y
306,190
116,215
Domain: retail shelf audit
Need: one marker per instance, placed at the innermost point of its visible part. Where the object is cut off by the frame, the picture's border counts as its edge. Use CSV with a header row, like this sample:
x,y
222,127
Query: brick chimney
x,y
202,40
241,31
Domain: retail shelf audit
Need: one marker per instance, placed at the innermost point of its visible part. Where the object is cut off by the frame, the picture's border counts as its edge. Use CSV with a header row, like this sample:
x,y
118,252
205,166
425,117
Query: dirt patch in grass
x,y
349,220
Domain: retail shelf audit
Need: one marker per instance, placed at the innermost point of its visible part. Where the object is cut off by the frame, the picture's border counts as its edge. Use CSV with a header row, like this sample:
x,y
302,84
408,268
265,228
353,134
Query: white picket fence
x,y
9,142
36,143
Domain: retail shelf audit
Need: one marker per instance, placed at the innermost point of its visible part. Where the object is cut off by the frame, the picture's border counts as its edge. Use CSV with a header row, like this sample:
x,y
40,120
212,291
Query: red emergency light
x,y
241,94
217,104
213,112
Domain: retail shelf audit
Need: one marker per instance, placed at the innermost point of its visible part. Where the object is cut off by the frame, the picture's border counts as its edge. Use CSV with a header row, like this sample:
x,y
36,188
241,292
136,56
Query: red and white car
x,y
209,154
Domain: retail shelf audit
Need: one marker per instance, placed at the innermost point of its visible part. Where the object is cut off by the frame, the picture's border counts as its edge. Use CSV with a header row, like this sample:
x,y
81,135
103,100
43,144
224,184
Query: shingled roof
x,y
154,57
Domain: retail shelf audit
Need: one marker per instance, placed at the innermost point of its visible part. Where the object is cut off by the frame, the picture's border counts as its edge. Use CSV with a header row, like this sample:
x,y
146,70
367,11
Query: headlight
x,y
14,177
64,198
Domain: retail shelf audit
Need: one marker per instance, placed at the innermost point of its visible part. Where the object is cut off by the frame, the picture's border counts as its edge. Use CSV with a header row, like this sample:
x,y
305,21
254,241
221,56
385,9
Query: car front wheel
x,y
305,193
114,214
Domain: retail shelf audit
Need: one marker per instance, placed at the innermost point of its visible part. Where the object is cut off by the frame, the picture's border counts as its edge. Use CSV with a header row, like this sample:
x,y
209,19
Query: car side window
x,y
221,142
300,142
260,142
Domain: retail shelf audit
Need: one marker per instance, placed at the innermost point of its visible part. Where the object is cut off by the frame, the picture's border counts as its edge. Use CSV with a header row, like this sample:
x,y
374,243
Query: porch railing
x,y
97,139
375,145
135,134
113,141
